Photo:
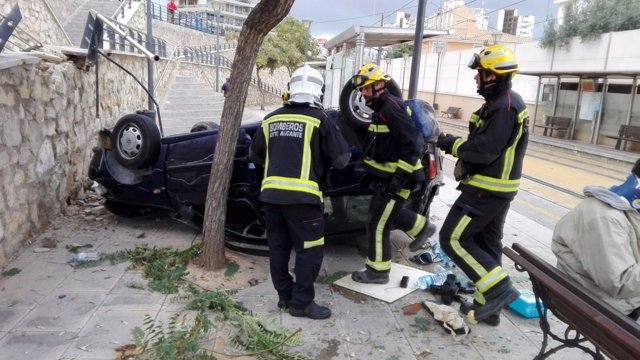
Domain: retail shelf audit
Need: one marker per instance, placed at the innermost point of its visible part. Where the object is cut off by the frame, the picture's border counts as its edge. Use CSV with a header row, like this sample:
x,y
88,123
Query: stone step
x,y
75,24
174,114
194,100
192,86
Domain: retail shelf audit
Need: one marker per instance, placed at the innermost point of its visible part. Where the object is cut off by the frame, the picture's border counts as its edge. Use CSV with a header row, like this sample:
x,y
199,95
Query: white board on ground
x,y
390,291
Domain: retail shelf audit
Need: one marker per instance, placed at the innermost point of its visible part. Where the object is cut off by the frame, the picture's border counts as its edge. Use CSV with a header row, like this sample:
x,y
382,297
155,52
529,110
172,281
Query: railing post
x,y
111,36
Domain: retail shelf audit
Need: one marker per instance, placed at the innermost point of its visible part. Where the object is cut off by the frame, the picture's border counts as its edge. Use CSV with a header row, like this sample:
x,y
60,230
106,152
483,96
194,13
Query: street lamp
x,y
217,8
306,24
439,46
405,56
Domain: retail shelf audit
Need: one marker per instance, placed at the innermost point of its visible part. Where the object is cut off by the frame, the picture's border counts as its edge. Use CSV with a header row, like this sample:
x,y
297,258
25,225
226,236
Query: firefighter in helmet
x,y
489,168
393,149
296,144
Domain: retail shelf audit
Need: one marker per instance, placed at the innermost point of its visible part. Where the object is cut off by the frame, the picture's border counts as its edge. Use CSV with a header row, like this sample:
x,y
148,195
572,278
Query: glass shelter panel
x,y
546,99
635,110
615,110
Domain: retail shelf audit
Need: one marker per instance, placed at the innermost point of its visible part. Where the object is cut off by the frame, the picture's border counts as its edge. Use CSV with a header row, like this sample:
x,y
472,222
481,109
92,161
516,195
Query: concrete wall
x,y
456,86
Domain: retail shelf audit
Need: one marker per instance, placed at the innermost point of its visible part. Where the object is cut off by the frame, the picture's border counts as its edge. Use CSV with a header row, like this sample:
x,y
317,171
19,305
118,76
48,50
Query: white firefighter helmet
x,y
306,86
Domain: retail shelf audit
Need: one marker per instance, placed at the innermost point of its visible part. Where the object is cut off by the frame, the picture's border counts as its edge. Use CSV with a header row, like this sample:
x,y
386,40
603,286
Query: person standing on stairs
x,y
226,87
171,9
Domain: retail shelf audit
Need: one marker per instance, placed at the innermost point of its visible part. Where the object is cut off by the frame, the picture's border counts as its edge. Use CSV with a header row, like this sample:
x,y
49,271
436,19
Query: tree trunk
x,y
264,17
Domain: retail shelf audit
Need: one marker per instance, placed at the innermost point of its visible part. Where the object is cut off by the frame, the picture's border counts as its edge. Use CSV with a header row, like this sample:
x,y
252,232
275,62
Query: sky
x,y
331,17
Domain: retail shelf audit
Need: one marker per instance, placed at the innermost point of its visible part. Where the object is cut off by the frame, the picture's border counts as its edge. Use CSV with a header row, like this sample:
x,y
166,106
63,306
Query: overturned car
x,y
138,171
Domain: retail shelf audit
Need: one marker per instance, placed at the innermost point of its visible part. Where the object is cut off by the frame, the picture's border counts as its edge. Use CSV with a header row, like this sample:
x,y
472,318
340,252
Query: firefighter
x,y
296,144
393,147
489,168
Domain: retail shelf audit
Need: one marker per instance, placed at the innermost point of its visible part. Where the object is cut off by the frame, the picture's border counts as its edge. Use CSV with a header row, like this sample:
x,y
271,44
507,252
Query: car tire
x,y
204,126
136,141
353,108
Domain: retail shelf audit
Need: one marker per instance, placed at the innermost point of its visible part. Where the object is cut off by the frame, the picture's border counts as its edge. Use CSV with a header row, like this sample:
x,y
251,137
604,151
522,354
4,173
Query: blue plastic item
x,y
424,117
525,305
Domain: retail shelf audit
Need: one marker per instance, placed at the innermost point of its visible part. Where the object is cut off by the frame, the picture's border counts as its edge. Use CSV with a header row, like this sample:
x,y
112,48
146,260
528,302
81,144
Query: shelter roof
x,y
378,36
582,73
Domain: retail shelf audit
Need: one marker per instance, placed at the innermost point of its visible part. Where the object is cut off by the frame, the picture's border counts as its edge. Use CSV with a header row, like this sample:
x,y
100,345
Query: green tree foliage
x,y
292,41
591,19
398,51
284,47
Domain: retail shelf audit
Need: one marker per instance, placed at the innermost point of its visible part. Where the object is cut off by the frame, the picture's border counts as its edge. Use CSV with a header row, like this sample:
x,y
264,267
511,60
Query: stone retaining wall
x,y
38,21
47,132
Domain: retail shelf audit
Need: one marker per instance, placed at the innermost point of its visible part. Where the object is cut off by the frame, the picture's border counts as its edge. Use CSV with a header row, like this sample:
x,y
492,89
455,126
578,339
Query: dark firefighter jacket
x,y
393,145
492,154
297,145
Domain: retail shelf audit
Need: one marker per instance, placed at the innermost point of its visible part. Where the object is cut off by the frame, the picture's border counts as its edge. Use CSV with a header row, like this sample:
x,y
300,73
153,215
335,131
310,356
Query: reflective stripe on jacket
x,y
295,144
494,151
393,144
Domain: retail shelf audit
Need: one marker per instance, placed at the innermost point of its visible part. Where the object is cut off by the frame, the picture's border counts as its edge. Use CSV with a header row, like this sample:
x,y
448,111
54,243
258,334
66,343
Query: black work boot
x,y
496,299
369,277
492,320
423,236
312,311
283,302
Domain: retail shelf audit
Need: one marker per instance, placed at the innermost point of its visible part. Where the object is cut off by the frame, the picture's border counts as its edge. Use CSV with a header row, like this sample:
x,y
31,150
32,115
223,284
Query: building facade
x,y
510,23
232,13
455,16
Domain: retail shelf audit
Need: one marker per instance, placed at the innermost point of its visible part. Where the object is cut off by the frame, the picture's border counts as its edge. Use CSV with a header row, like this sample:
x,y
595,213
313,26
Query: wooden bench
x,y
588,316
451,112
555,123
626,133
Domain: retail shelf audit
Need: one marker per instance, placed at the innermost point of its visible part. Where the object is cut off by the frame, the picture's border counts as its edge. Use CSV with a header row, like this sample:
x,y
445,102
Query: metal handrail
x,y
166,66
55,18
188,19
206,55
121,9
12,34
134,43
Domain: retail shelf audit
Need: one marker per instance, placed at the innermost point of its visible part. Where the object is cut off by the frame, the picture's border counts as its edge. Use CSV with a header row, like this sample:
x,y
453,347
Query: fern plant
x,y
165,267
264,338
179,341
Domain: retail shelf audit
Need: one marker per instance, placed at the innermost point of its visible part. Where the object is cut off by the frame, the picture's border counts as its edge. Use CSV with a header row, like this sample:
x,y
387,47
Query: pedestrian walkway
x,y
51,310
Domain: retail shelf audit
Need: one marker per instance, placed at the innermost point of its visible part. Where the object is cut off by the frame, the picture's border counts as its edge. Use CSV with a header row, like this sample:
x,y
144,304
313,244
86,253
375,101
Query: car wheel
x,y
204,126
354,108
136,140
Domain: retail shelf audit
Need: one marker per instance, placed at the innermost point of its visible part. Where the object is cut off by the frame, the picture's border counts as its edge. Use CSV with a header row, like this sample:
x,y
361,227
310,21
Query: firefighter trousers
x,y
298,227
386,213
472,237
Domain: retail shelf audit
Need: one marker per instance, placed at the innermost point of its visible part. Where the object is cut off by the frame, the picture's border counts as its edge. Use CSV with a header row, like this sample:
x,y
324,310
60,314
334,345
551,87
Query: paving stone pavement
x,y
51,310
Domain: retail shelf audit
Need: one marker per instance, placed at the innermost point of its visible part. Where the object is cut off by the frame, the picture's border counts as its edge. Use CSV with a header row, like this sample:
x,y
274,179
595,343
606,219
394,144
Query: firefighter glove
x,y
395,185
446,141
460,171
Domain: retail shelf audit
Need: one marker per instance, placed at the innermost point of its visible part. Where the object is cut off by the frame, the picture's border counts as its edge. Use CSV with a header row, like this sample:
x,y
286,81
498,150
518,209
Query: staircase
x,y
74,25
189,102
